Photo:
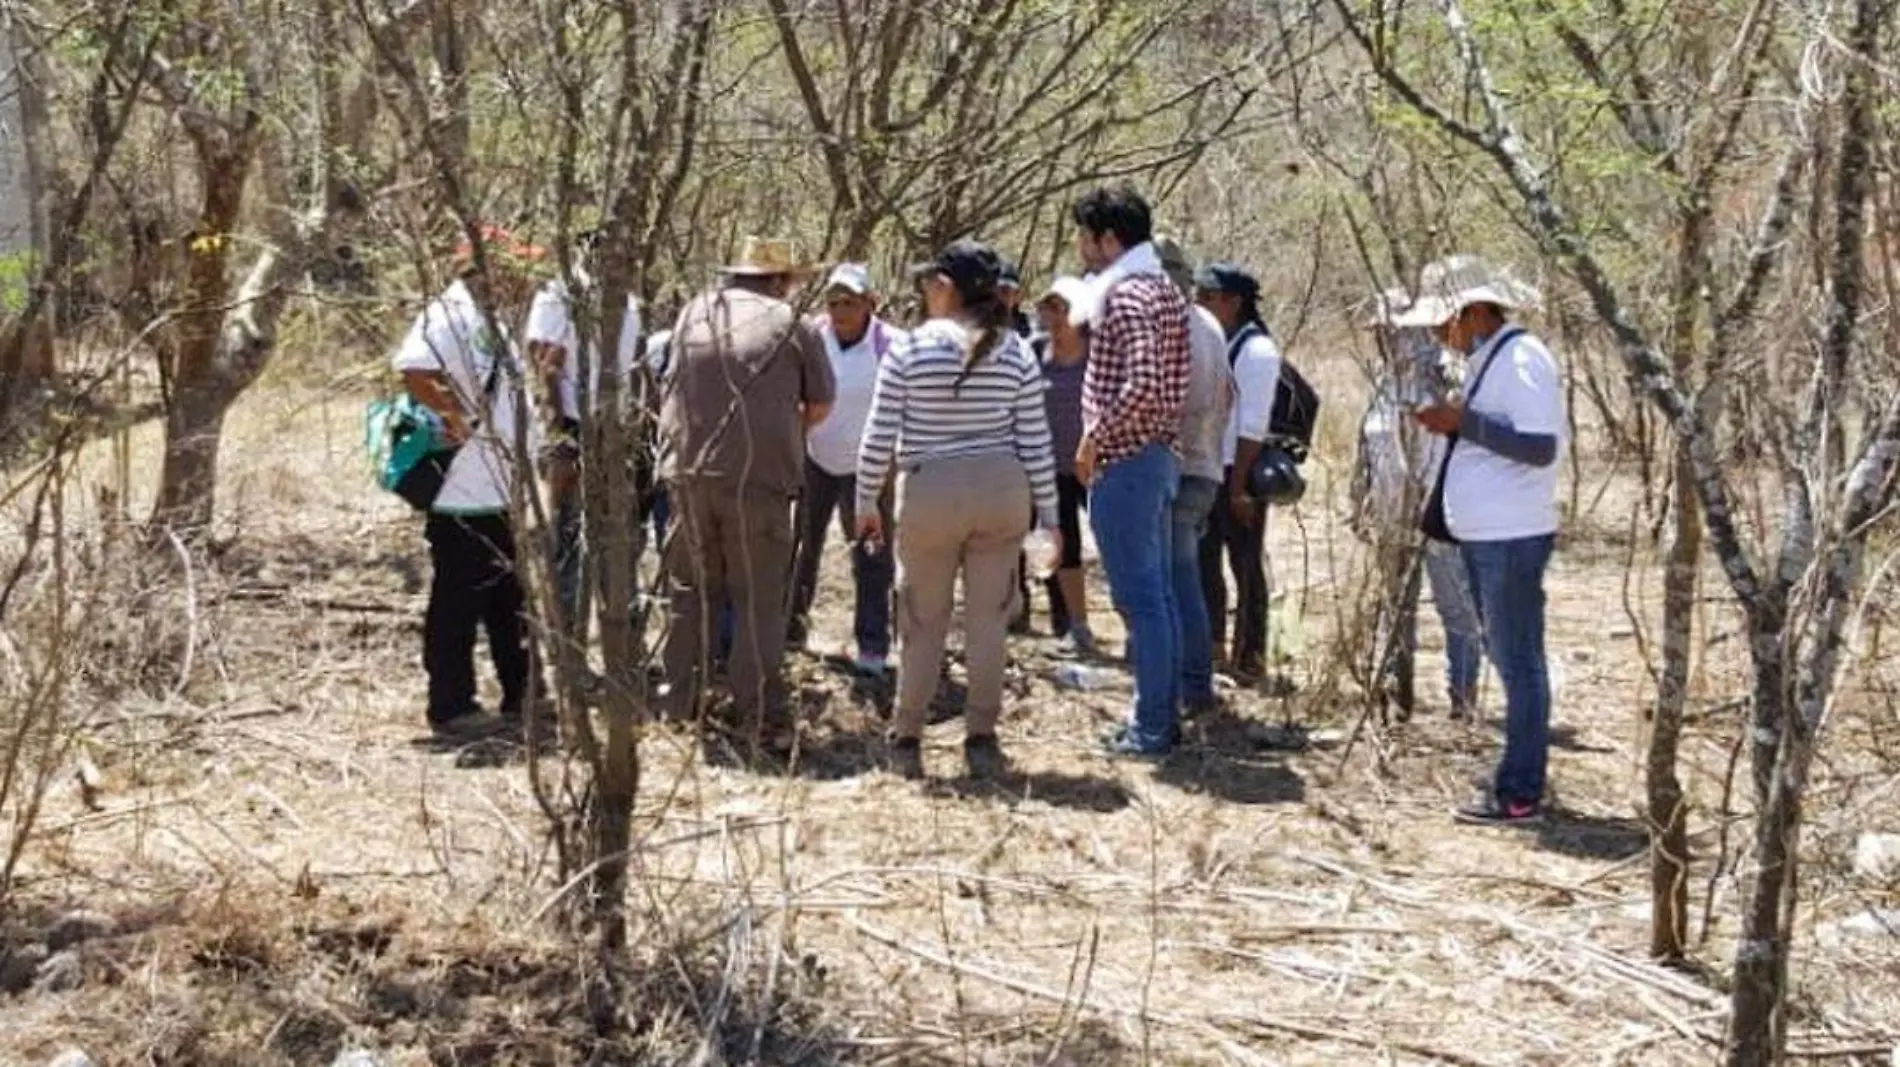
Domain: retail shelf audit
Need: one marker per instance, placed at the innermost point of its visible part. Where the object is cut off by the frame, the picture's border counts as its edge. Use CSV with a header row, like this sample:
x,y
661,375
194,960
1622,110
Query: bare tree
x,y
1797,593
229,279
941,121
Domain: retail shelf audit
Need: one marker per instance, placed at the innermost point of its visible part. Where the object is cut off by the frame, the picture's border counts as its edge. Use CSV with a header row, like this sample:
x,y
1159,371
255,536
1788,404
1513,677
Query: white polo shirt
x,y
833,443
450,338
551,321
1489,497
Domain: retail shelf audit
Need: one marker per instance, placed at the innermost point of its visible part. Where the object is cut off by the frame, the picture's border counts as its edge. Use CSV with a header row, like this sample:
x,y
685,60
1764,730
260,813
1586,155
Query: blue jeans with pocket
x,y
1193,502
1131,511
1507,584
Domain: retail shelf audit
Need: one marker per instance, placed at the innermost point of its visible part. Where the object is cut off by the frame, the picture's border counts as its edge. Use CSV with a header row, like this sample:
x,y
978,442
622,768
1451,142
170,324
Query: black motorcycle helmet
x,y
1275,478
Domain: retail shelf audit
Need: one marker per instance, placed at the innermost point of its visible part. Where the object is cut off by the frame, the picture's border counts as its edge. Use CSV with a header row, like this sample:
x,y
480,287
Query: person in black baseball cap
x,y
959,415
1238,529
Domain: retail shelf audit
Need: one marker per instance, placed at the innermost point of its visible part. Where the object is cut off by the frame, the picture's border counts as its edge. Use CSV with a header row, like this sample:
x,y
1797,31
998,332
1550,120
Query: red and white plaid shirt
x,y
1140,362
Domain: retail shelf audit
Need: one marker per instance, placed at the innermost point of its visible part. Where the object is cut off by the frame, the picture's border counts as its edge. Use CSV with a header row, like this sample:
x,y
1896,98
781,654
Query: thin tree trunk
x,y
188,479
1668,808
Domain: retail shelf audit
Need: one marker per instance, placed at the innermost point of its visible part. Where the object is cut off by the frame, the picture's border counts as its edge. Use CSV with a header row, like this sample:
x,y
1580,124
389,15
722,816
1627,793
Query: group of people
x,y
1142,393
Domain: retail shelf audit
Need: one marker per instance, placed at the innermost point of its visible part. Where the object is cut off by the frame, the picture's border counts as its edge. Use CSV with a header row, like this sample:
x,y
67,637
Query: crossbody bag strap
x,y
1509,335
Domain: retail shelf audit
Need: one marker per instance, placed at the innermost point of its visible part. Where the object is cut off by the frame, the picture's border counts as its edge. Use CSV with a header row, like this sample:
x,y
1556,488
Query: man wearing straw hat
x,y
747,378
1496,498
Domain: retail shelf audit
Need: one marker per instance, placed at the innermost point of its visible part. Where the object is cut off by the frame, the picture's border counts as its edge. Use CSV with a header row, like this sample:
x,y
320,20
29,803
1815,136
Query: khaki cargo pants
x,y
729,541
967,516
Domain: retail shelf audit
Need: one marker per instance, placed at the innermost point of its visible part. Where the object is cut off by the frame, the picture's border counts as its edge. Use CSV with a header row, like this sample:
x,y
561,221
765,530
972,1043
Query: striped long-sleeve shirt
x,y
921,412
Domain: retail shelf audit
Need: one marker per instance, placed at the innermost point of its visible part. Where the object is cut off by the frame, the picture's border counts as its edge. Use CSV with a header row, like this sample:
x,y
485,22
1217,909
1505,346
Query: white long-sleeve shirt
x,y
1256,381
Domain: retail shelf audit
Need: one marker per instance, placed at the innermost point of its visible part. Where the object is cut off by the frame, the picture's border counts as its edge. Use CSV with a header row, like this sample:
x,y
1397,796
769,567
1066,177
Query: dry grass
x,y
287,871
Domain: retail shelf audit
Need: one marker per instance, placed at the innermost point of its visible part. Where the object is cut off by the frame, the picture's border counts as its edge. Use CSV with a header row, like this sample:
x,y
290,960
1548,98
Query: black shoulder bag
x,y
1433,520
422,483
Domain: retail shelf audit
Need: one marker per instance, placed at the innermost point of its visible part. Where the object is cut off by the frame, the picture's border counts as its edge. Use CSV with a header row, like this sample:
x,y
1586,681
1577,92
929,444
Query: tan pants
x,y
732,542
965,515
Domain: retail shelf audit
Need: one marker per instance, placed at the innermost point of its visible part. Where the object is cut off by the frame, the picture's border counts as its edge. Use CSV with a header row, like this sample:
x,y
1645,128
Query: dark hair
x,y
974,270
1119,210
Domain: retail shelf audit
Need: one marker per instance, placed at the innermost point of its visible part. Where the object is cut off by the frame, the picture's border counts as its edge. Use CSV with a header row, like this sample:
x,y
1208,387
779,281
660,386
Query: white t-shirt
x,y
833,443
450,337
551,321
1256,381
1489,497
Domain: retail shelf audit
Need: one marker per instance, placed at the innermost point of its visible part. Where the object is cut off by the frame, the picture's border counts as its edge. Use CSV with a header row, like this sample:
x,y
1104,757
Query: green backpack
x,y
405,445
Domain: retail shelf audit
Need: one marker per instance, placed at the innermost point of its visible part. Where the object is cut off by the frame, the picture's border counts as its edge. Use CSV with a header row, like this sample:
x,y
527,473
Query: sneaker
x,y
1489,810
870,665
1124,746
906,758
1078,644
984,757
468,727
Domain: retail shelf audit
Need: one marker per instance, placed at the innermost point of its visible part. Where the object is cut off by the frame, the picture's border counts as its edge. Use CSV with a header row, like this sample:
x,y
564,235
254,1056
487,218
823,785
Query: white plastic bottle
x,y
1042,554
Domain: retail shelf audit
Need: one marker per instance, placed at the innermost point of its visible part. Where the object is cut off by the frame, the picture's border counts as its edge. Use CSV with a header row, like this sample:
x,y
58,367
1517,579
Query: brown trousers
x,y
964,515
729,542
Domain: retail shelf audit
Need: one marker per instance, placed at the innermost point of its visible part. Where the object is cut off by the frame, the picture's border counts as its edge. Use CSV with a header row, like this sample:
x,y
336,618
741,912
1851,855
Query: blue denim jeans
x,y
1464,635
1131,511
1507,582
1193,502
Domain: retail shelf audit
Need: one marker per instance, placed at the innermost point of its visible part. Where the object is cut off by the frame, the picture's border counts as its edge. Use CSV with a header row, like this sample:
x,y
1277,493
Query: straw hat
x,y
1454,283
765,257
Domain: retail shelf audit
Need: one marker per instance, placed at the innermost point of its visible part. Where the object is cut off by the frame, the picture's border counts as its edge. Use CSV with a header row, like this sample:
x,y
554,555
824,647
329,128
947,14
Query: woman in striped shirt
x,y
959,412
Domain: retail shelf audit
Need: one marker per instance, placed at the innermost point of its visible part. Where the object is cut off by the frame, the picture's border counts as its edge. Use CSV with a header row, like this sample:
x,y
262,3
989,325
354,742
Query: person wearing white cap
x,y
856,341
1064,350
1496,497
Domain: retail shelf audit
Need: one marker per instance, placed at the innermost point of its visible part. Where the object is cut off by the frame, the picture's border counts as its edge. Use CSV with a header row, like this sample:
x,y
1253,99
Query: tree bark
x,y
1668,808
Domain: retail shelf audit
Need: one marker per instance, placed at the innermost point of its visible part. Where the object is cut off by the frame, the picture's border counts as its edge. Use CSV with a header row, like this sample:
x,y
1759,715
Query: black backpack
x,y
1295,402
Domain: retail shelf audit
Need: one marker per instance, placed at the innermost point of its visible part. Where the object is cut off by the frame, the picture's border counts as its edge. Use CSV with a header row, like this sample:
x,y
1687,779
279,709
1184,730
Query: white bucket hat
x,y
1454,283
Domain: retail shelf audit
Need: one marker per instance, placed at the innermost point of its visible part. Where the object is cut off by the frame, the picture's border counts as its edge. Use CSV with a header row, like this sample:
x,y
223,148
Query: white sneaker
x,y
871,666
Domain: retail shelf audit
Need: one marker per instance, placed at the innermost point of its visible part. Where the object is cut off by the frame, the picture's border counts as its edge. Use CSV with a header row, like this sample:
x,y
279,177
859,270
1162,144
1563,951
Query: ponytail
x,y
992,323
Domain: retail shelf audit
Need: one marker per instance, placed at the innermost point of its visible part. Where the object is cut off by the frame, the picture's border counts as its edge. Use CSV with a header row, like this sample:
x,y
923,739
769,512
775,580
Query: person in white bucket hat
x,y
1495,496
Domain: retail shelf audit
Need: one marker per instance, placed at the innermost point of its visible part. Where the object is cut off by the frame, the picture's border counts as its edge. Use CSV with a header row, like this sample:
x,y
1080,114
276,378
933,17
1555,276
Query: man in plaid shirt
x,y
1132,400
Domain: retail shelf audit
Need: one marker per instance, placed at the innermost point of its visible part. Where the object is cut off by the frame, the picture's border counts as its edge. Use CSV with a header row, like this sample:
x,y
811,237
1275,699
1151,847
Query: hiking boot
x,y
1490,810
1122,745
984,757
906,758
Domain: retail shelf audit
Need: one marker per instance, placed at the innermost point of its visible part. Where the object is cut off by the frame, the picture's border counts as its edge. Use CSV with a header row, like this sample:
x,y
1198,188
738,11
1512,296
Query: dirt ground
x,y
280,867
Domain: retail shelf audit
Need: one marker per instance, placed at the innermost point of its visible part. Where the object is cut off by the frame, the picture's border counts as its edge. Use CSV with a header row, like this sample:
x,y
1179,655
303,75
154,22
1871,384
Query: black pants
x,y
1244,547
872,573
475,584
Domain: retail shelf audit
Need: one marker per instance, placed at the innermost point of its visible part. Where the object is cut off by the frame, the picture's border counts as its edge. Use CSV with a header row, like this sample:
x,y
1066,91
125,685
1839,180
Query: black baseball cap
x,y
1227,278
973,267
1009,276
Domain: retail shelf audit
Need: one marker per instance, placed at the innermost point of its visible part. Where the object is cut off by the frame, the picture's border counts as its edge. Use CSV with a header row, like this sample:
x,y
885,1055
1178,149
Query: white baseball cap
x,y
1072,291
852,278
